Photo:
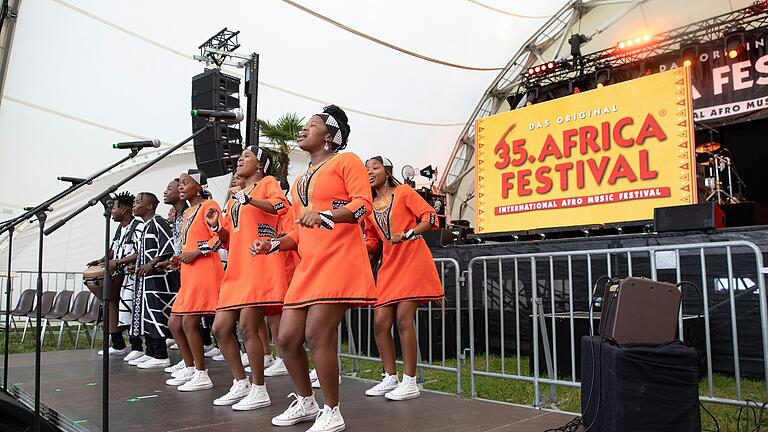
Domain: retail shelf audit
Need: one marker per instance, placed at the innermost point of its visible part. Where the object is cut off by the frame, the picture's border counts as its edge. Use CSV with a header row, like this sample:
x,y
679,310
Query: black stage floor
x,y
140,401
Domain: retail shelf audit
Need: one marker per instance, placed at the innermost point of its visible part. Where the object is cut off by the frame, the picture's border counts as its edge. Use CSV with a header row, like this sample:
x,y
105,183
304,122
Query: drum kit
x,y
716,174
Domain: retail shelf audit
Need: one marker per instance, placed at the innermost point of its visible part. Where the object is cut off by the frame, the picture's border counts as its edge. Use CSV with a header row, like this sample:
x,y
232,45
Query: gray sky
x,y
65,61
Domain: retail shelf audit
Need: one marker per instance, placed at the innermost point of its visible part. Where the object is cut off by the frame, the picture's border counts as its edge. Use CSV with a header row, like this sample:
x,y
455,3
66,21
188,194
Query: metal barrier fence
x,y
436,349
528,301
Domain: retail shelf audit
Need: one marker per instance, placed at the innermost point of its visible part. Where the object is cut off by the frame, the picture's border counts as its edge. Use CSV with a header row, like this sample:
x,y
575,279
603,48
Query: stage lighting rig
x,y
408,174
733,43
689,53
219,46
428,172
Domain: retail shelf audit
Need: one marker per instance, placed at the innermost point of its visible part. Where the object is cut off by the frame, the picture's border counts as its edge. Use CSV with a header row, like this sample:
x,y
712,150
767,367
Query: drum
x,y
93,279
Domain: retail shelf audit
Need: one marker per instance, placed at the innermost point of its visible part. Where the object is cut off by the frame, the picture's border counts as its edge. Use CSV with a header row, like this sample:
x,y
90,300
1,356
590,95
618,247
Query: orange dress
x,y
285,224
253,281
407,271
200,280
333,266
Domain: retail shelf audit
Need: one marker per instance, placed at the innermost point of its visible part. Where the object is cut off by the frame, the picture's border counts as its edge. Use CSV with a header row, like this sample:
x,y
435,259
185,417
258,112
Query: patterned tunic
x,y
155,292
125,243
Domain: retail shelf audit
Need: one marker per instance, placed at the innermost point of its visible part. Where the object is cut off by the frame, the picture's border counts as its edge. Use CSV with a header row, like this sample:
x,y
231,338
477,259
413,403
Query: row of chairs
x,y
84,310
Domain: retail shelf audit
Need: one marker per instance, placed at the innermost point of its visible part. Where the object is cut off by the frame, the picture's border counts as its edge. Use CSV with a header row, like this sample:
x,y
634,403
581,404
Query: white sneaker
x,y
257,398
244,359
174,346
300,410
181,376
154,363
277,369
237,392
115,352
247,369
219,357
211,351
268,360
169,342
387,384
316,383
175,368
199,381
139,360
313,375
133,355
406,390
328,420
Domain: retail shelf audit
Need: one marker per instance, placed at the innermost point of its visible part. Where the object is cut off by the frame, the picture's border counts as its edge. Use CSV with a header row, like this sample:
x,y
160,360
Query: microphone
x,y
73,180
223,116
137,144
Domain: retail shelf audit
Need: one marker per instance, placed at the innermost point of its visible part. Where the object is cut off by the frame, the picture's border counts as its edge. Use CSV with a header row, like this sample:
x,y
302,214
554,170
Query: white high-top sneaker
x,y
408,389
257,398
175,368
313,375
138,360
328,420
237,392
115,352
154,363
277,369
268,361
244,359
169,342
316,382
387,384
300,410
199,381
211,351
181,376
133,355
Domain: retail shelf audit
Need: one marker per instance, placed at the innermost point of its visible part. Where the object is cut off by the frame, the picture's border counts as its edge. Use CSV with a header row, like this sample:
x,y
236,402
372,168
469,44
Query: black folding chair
x,y
24,306
91,317
78,309
47,303
59,309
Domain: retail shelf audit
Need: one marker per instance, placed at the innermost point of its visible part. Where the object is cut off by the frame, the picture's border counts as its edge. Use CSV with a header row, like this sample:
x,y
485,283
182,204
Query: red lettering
x,y
646,173
563,169
617,137
550,149
605,135
568,142
580,174
588,137
544,180
507,184
650,129
522,182
621,170
598,171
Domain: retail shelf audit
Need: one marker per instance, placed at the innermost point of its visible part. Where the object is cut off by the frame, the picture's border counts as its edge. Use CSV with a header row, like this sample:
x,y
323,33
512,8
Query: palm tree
x,y
282,135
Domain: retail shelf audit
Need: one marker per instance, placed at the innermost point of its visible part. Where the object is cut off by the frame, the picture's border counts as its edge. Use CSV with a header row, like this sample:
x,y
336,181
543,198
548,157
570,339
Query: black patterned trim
x,y
266,230
251,304
359,213
337,204
420,298
279,206
205,249
363,300
432,218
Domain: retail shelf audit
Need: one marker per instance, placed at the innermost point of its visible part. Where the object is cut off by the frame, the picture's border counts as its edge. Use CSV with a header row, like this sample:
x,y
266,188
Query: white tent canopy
x,y
84,74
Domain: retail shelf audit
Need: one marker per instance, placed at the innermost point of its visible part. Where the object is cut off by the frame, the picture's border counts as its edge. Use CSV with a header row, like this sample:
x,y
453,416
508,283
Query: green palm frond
x,y
282,134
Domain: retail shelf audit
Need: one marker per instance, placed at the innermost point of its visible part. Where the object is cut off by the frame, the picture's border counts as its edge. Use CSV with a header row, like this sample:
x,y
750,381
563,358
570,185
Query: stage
x,y
140,401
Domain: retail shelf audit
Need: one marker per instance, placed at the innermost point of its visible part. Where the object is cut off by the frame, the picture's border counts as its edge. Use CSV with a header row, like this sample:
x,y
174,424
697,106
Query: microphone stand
x,y
103,198
38,212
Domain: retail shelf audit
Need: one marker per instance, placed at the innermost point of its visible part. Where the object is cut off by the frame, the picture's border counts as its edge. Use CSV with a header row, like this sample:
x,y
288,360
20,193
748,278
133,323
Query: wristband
x,y
218,227
326,219
409,235
274,246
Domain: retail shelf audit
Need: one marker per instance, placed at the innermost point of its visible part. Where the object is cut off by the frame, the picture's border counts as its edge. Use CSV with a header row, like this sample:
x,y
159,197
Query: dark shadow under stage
x,y
140,401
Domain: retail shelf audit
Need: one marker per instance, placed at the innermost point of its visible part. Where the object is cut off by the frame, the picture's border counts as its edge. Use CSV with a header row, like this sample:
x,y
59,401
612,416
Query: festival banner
x,y
608,155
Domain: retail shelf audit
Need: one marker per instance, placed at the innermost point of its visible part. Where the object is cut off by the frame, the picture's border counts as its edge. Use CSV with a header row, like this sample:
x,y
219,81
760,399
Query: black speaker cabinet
x,y
688,217
439,237
639,387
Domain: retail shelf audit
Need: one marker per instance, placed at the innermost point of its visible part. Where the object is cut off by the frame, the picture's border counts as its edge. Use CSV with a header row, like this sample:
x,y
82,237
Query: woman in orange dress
x,y
407,276
252,286
329,201
201,275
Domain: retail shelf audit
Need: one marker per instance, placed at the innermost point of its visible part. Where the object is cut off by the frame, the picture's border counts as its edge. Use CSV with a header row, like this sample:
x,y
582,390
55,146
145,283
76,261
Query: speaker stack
x,y
217,149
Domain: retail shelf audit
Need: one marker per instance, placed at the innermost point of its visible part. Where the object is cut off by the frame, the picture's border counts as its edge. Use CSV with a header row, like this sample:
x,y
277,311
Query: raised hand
x,y
212,218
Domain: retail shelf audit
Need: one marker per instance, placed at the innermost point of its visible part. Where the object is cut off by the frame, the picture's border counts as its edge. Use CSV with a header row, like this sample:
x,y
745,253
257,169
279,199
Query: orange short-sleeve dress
x,y
285,224
407,271
333,265
200,279
253,281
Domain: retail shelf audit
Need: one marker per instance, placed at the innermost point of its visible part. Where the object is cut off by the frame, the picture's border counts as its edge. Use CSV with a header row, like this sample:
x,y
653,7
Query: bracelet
x,y
218,227
410,234
242,198
274,246
326,219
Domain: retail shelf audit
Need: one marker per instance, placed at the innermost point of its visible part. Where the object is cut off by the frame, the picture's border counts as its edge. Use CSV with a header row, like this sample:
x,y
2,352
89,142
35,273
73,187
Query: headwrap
x,y
199,177
388,166
262,157
333,128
